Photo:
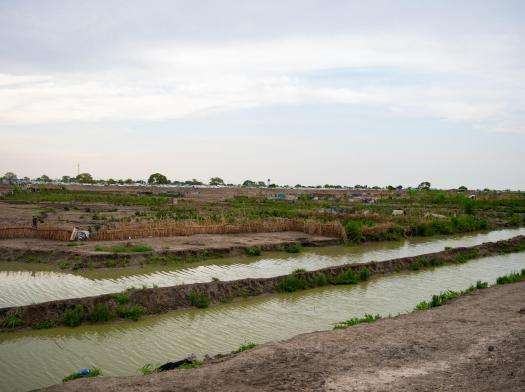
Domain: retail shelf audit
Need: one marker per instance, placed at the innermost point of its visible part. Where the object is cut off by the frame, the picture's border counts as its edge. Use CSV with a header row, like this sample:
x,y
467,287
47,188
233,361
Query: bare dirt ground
x,y
475,343
63,215
194,243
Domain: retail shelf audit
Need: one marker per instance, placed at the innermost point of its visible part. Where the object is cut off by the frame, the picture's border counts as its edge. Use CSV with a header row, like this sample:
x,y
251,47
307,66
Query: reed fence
x,y
181,228
45,233
168,228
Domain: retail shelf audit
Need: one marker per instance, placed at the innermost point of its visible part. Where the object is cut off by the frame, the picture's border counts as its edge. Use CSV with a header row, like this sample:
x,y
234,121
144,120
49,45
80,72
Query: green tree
x,y
66,179
424,185
216,181
10,176
84,178
43,178
462,188
157,179
249,183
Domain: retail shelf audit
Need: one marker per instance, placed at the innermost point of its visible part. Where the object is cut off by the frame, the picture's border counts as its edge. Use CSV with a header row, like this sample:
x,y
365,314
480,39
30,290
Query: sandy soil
x,y
475,343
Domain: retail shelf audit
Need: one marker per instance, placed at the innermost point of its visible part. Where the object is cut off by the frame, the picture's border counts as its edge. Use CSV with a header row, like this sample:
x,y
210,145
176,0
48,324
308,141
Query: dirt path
x,y
475,343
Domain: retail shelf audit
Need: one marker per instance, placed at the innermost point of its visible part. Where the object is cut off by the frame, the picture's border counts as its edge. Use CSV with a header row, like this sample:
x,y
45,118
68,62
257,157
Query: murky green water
x,y
21,287
31,359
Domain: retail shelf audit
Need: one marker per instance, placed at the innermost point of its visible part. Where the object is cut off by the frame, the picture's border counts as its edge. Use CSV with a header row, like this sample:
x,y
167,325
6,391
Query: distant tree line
x,y
161,179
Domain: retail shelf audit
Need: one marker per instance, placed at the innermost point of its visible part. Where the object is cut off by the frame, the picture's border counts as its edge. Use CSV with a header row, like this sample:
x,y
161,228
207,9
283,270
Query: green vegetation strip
x,y
134,303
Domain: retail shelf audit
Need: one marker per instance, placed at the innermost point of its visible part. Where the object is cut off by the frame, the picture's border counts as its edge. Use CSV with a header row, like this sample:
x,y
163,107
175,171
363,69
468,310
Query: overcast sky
x,y
311,92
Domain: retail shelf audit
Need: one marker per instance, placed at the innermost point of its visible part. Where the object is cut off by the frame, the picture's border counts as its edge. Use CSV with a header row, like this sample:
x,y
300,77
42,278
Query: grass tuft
x,y
93,372
367,318
245,347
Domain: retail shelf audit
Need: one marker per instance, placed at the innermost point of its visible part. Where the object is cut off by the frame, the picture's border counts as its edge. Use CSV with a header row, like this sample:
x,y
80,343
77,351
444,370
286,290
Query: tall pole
x,y
78,169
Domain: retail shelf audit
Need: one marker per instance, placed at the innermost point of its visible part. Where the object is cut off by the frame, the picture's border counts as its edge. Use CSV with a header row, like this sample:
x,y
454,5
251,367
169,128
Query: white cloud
x,y
465,80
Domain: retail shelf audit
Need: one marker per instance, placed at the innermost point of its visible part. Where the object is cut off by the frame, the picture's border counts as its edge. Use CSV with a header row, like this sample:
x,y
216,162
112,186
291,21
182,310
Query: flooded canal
x,y
22,287
31,359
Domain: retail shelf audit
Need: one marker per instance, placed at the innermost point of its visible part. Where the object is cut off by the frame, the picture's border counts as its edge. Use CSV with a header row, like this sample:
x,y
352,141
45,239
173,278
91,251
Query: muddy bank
x,y
474,343
134,303
94,254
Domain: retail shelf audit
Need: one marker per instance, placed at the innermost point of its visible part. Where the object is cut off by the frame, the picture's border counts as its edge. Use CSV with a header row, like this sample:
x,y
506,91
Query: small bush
x,y
292,283
367,318
253,251
298,271
63,265
133,312
121,298
346,277
463,257
45,324
101,313
415,266
320,279
111,263
244,347
293,248
73,317
198,300
93,372
364,274
354,231
12,321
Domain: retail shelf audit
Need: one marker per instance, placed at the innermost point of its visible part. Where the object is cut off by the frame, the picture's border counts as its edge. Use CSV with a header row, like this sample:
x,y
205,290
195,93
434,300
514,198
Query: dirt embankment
x,y
475,343
85,254
162,299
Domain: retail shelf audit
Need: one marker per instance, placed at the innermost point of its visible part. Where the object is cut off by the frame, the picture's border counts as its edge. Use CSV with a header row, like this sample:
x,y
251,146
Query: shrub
x,y
346,277
253,251
320,279
298,271
292,283
415,266
101,312
133,312
73,316
45,324
293,248
354,231
463,257
367,318
12,321
93,372
198,300
121,298
364,274
111,263
63,264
